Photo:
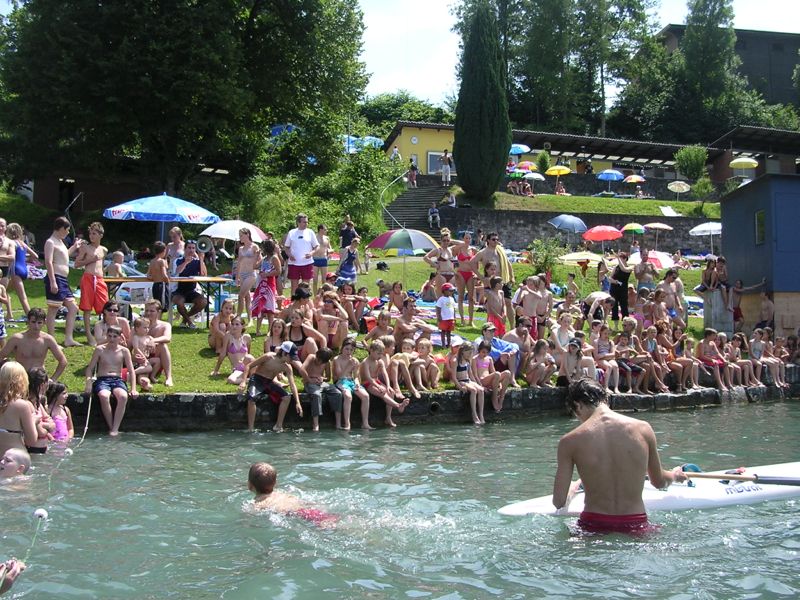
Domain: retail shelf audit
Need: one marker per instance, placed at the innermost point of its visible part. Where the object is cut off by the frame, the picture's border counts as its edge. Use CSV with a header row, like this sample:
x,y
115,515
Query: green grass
x,y
611,206
193,361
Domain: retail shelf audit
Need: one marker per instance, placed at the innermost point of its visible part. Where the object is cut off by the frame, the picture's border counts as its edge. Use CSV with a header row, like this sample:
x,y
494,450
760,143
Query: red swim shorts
x,y
448,325
499,325
304,272
592,522
94,293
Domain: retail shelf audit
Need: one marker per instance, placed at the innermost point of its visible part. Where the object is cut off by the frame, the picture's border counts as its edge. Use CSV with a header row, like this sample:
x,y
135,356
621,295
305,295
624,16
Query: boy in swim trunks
x,y
345,373
158,273
613,453
94,292
261,480
56,284
110,360
260,380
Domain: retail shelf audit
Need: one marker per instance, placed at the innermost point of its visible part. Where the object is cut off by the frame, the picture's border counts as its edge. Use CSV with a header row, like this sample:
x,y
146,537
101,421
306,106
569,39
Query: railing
x,y
383,191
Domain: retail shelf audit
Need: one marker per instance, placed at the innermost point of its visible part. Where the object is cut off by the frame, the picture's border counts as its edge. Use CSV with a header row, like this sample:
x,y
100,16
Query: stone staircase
x,y
410,208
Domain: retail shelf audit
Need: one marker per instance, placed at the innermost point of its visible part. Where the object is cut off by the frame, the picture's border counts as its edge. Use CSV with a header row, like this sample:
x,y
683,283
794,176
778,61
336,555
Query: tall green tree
x,y
482,128
160,87
381,112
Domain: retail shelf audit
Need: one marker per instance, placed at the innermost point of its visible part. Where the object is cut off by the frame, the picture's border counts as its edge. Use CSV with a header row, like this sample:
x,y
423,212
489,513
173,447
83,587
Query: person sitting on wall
x,y
434,222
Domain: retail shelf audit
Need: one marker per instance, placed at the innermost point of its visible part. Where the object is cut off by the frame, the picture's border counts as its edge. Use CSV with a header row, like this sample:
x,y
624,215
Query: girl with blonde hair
x,y
17,423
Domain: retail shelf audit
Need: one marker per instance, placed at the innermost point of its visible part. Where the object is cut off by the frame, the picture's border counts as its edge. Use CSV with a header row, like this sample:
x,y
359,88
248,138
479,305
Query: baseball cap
x,y
289,348
572,342
487,326
448,286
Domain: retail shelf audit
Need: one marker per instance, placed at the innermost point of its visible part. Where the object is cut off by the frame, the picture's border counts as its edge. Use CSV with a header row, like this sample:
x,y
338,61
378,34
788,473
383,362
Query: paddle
x,y
754,478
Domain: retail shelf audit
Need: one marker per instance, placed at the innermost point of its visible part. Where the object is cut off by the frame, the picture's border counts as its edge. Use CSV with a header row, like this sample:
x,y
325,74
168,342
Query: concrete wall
x,y
519,228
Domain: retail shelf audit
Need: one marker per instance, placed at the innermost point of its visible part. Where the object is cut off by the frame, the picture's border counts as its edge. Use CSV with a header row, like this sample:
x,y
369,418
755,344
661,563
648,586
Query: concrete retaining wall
x,y
204,412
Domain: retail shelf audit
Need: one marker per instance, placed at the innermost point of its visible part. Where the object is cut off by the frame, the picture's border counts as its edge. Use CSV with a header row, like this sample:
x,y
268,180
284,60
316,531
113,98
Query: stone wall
x,y
517,228
206,412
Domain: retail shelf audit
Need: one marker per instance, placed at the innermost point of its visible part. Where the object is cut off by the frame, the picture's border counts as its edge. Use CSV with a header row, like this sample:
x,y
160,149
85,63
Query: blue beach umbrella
x,y
351,143
610,175
370,141
280,129
161,208
569,223
517,149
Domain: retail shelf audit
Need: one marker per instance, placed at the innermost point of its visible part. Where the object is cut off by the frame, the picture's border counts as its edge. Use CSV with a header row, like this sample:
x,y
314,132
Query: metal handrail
x,y
383,191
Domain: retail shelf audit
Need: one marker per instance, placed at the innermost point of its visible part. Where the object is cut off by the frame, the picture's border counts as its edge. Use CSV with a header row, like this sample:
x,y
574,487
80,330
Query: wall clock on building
x,y
414,139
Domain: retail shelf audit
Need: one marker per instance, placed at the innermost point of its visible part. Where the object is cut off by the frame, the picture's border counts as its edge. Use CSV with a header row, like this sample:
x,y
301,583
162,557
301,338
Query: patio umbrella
x,y
633,228
534,176
404,252
657,227
369,141
568,223
634,179
660,260
517,149
162,208
404,239
743,162
679,187
527,165
610,175
558,171
229,230
577,258
603,234
711,229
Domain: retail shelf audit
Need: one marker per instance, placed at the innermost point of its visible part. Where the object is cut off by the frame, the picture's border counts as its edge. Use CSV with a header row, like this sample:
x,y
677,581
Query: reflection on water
x,y
165,516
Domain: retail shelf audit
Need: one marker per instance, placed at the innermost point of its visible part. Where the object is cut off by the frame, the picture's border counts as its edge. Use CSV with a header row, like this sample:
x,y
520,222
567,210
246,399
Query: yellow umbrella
x,y
558,170
743,162
574,258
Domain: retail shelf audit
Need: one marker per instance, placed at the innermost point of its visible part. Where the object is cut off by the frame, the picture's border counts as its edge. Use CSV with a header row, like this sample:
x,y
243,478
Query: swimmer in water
x,y
14,462
261,480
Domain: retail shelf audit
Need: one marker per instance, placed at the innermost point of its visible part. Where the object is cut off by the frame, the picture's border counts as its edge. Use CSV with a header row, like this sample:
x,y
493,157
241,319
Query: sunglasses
x,y
114,310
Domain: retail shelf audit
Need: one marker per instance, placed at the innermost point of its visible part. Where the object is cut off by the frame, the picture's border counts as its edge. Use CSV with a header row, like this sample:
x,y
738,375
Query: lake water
x,y
165,516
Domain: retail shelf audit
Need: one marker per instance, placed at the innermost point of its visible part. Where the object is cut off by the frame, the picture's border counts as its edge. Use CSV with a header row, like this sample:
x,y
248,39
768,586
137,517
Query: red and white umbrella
x,y
660,260
603,234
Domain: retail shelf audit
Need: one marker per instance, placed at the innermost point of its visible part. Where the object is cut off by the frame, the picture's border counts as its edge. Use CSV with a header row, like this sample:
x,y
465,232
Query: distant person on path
x,y
300,245
447,163
57,290
613,453
94,292
412,173
347,232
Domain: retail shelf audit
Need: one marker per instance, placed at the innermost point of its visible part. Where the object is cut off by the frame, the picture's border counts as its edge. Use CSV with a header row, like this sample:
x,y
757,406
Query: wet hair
x,y
159,248
60,223
21,457
262,476
54,390
36,314
13,383
585,391
37,377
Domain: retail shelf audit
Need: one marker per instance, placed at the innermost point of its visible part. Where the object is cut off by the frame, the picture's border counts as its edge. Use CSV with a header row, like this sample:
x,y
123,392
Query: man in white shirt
x,y
300,244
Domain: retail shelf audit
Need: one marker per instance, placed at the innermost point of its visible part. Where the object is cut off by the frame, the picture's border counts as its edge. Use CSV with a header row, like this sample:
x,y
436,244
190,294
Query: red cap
x,y
448,286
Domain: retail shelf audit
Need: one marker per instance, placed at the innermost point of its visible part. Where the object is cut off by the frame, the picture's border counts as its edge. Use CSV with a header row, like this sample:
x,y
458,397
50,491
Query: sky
x,y
409,44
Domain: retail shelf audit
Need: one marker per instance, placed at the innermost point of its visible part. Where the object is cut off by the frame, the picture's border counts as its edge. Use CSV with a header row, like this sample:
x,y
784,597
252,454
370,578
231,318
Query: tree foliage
x,y
161,87
382,112
482,127
691,161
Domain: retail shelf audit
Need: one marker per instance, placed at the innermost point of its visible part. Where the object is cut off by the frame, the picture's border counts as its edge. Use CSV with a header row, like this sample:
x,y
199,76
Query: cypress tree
x,y
482,129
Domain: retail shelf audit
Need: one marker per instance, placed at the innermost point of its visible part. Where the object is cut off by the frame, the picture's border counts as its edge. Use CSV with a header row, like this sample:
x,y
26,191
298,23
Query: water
x,y
165,516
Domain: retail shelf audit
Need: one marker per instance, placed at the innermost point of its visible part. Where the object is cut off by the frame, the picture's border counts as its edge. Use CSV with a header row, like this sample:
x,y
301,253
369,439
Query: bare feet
x,y
113,433
403,405
315,428
277,429
367,427
390,423
71,344
169,382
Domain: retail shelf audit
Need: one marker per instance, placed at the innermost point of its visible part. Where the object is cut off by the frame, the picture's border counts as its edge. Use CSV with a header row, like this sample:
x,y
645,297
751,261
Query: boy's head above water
x,y
261,478
14,462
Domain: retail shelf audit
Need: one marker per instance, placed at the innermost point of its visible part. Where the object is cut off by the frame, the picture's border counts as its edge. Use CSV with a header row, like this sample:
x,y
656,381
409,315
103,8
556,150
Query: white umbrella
x,y
711,229
229,230
679,187
657,227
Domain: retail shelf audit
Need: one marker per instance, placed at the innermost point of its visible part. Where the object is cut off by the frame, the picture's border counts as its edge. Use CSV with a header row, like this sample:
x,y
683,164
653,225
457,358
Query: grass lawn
x,y
611,206
193,360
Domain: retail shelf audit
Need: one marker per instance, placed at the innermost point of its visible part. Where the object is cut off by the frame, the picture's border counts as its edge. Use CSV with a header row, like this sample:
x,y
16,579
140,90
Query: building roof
x,y
577,146
760,140
745,140
676,28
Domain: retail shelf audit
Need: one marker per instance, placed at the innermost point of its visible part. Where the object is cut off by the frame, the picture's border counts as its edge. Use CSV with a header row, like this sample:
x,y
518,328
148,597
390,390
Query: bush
x,y
545,253
691,161
543,161
17,209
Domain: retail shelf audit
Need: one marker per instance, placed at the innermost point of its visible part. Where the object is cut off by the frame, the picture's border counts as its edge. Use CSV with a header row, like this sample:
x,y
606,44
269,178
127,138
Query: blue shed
x,y
761,238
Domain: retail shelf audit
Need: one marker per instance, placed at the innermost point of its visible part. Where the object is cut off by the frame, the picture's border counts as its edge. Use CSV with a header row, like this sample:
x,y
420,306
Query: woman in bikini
x,y
246,276
265,298
236,347
466,276
220,324
276,335
332,320
442,260
307,339
17,423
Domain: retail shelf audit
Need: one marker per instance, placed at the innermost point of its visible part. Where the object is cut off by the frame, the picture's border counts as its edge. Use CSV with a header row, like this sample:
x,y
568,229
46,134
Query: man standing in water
x,y
612,453
56,284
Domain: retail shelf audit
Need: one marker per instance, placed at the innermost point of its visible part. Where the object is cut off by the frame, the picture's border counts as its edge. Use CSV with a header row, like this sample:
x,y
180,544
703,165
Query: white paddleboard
x,y
702,493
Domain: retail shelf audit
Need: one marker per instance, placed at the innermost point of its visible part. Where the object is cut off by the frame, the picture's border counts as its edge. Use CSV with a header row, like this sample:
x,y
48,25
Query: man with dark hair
x,y
56,284
30,347
613,453
191,264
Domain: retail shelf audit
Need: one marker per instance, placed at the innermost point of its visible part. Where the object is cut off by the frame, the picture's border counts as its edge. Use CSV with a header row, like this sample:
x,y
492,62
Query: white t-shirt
x,y
300,243
447,305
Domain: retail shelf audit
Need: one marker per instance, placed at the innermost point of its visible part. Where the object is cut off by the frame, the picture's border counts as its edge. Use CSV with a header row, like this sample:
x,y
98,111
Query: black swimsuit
x,y
303,337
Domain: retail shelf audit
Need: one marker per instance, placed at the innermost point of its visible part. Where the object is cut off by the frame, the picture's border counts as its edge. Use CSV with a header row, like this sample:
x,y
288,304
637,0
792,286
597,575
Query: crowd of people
x,y
630,337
